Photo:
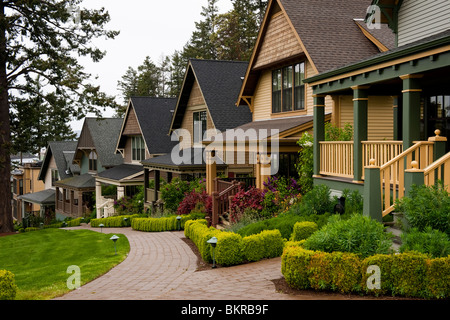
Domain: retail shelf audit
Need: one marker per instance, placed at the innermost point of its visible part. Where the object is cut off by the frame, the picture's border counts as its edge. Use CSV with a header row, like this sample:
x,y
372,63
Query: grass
x,y
40,259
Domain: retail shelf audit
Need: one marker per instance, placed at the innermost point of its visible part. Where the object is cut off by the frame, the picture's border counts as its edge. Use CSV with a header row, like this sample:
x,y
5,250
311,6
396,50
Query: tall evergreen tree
x,y
45,37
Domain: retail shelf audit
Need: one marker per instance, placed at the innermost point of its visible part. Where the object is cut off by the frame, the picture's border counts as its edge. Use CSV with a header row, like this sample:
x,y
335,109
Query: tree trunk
x,y
6,221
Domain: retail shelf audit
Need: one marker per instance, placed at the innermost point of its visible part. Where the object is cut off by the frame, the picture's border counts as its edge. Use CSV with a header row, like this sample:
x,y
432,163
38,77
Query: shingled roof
x,y
328,31
63,153
220,83
154,116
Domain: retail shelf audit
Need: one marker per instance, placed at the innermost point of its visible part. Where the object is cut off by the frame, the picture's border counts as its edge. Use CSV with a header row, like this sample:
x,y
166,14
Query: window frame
x,y
281,80
93,161
201,121
137,148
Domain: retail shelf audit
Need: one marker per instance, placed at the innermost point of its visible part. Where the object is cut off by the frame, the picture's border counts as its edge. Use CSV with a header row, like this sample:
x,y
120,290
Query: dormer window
x,y
138,148
93,161
288,89
200,126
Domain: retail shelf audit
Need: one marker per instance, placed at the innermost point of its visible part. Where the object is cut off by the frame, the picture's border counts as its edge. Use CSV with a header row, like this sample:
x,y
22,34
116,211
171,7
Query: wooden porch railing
x,y
221,200
336,158
439,170
381,151
392,173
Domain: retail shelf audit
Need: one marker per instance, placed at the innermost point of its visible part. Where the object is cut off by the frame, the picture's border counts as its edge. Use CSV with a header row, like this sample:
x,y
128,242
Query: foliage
x,y
8,288
359,234
40,259
305,165
353,201
193,200
169,223
174,192
130,205
333,133
303,230
114,222
316,201
426,207
266,244
433,242
251,198
407,274
279,194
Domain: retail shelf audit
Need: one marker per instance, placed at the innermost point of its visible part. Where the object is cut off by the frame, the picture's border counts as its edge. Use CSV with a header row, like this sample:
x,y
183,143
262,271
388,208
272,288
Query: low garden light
x,y
213,243
179,223
125,221
101,225
114,238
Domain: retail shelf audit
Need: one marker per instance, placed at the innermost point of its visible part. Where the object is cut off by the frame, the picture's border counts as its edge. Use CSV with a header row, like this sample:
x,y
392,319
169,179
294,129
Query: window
x,y
288,89
138,148
200,126
55,176
93,161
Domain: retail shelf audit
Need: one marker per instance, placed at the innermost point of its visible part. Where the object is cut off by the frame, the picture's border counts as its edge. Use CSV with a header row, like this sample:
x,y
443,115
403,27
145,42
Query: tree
x,y
45,38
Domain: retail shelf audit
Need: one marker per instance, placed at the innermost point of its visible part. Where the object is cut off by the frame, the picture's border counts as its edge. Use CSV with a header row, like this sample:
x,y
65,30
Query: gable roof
x,y
63,153
327,33
219,82
103,134
154,116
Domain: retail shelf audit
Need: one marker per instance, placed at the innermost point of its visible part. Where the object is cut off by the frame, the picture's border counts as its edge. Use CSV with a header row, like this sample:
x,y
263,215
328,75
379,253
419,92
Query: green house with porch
x,y
414,76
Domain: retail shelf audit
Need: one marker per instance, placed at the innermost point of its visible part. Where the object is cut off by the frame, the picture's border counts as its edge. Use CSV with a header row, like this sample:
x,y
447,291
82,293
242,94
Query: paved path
x,y
162,266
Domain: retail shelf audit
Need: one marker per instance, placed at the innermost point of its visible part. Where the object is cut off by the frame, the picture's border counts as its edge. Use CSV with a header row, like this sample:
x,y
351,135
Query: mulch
x,y
7,234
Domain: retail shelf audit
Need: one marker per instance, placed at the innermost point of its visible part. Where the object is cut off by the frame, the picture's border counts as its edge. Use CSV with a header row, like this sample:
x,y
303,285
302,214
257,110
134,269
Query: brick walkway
x,y
162,266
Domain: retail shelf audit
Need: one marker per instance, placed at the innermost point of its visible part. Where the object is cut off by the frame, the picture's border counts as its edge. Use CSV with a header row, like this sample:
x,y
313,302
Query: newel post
x,y
372,192
414,176
215,210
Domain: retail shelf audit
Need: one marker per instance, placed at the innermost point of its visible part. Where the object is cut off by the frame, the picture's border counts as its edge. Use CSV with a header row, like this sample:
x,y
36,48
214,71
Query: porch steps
x,y
397,241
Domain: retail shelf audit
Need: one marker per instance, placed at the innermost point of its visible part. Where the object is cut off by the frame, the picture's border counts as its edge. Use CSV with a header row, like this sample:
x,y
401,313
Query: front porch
x,y
74,196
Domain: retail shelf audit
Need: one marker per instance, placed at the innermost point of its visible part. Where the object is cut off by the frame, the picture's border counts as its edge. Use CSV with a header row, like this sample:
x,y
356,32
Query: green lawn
x,y
40,259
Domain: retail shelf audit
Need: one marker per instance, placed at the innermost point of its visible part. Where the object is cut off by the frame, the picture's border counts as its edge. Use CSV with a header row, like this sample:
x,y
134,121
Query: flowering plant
x,y
252,198
191,201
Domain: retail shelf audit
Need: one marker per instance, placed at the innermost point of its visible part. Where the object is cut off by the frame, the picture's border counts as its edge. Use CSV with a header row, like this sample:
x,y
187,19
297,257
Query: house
x,y
298,40
205,106
56,165
143,135
94,153
415,73
24,180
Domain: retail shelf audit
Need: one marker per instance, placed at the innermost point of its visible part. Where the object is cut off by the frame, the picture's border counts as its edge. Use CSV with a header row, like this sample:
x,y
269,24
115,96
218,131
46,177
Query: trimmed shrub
x,y
113,222
192,199
303,230
228,249
408,274
429,241
8,288
199,233
161,224
267,244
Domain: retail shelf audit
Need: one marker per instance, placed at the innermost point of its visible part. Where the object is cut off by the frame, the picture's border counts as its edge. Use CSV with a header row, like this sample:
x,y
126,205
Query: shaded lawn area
x,y
40,259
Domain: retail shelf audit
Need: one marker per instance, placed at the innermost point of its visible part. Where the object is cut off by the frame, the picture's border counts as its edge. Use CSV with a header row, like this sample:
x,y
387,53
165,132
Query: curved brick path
x,y
162,266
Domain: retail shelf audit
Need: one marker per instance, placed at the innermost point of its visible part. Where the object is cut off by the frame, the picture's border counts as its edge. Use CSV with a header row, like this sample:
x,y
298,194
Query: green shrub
x,y
429,241
114,222
408,274
426,206
8,288
303,230
74,222
30,229
359,234
228,249
162,224
316,201
199,233
267,244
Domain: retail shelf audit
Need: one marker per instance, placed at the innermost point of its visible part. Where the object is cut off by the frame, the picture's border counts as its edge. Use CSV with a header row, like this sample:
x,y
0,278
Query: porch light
x,y
179,223
101,225
213,243
114,238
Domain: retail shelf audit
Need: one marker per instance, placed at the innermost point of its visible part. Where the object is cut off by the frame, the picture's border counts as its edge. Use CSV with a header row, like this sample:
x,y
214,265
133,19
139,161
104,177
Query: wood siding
x,y
85,141
380,116
131,126
279,42
418,19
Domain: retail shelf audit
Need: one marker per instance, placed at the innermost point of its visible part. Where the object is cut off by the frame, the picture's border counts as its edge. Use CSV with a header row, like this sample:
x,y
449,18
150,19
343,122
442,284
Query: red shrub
x,y
252,198
191,199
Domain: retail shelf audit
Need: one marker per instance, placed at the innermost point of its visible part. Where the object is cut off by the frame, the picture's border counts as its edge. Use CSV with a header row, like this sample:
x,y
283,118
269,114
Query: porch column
x,y
80,203
360,106
211,170
56,198
98,198
146,184
318,130
411,108
71,195
120,192
157,183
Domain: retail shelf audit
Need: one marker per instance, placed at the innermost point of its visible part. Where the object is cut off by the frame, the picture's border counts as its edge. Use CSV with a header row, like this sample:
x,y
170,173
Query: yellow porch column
x,y
263,169
211,171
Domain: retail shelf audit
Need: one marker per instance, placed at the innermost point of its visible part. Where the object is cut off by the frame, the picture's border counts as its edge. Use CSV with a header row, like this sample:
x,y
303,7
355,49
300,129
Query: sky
x,y
147,28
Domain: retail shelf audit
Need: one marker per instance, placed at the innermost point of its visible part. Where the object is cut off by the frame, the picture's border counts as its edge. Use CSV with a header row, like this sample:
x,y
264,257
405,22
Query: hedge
x,y
232,248
113,222
8,288
161,224
408,274
302,230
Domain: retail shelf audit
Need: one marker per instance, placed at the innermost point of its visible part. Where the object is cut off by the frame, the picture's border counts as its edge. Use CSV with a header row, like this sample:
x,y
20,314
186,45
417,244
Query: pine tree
x,y
44,37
